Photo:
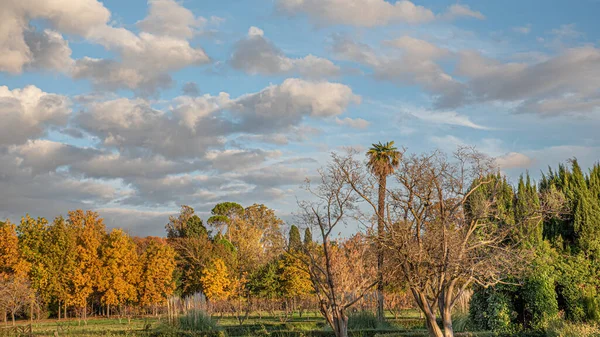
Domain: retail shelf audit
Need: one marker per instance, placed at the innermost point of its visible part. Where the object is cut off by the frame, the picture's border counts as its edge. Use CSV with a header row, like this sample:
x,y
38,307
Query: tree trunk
x,y
429,312
444,304
13,317
380,232
340,323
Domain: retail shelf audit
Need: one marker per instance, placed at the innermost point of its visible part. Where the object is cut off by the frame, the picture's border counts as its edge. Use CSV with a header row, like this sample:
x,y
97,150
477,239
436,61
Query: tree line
x,y
433,229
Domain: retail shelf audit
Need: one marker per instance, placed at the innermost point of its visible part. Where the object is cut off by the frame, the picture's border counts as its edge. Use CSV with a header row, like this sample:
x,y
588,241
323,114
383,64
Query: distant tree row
x,y
74,265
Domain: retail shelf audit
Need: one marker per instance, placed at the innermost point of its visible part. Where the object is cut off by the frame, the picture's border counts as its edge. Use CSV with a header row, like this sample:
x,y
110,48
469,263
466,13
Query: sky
x,y
133,108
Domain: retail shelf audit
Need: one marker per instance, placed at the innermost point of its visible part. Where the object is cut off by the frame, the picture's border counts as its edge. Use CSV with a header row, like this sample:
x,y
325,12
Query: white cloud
x,y
27,113
20,45
446,117
418,48
255,31
356,123
564,84
144,60
167,17
257,55
513,160
415,66
457,11
362,13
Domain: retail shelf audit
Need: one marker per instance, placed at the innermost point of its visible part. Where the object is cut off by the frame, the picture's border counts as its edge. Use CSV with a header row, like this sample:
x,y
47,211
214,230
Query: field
x,y
310,324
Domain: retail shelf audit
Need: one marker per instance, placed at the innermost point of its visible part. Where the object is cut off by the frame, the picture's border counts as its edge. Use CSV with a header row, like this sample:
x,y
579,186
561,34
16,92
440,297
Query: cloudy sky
x,y
135,107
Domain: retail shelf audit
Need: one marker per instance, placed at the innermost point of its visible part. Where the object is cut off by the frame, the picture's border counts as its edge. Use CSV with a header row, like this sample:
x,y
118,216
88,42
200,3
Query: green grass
x,y
310,324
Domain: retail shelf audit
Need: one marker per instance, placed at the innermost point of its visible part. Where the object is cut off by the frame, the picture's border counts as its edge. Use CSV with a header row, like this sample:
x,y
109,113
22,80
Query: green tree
x,y
186,225
294,240
383,159
307,237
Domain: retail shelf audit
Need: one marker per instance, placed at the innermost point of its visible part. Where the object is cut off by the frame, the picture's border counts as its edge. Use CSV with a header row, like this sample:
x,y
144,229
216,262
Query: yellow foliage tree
x,y
90,234
157,266
294,277
120,271
11,261
216,281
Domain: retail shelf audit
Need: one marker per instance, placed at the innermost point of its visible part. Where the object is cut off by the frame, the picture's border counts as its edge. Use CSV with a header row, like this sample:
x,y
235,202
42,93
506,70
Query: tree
x,y
15,293
217,281
223,213
185,225
444,232
383,159
307,237
294,240
120,270
11,260
90,234
157,262
336,269
61,261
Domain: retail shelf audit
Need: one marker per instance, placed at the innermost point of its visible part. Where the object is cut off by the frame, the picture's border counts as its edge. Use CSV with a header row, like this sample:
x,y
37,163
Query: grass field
x,y
255,325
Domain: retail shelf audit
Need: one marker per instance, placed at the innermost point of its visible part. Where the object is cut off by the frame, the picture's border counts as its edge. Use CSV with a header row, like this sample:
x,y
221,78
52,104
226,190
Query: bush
x,y
197,321
362,320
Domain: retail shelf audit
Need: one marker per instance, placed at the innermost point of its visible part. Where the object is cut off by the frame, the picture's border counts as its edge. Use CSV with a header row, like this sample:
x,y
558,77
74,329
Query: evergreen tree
x,y
294,241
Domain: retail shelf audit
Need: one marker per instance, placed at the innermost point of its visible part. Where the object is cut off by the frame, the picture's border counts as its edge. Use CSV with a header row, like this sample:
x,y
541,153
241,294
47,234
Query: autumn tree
x,y
336,269
90,234
120,271
157,263
383,159
11,260
60,260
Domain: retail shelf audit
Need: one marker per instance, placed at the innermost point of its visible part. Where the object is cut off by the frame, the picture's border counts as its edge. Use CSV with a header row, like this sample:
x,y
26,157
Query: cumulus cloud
x,y
416,65
27,113
192,125
167,17
257,55
567,83
371,13
356,123
513,160
280,106
45,156
132,125
458,11
362,13
20,45
144,60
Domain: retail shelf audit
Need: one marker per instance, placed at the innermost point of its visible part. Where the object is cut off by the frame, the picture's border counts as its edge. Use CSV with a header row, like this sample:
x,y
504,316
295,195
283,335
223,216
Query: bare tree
x,y
15,294
339,270
443,228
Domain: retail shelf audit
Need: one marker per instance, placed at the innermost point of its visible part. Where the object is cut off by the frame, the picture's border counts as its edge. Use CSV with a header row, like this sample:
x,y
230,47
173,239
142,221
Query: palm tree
x,y
383,160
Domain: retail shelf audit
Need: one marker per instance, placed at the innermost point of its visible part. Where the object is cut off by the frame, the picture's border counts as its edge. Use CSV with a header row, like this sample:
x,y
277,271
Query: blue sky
x,y
132,108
